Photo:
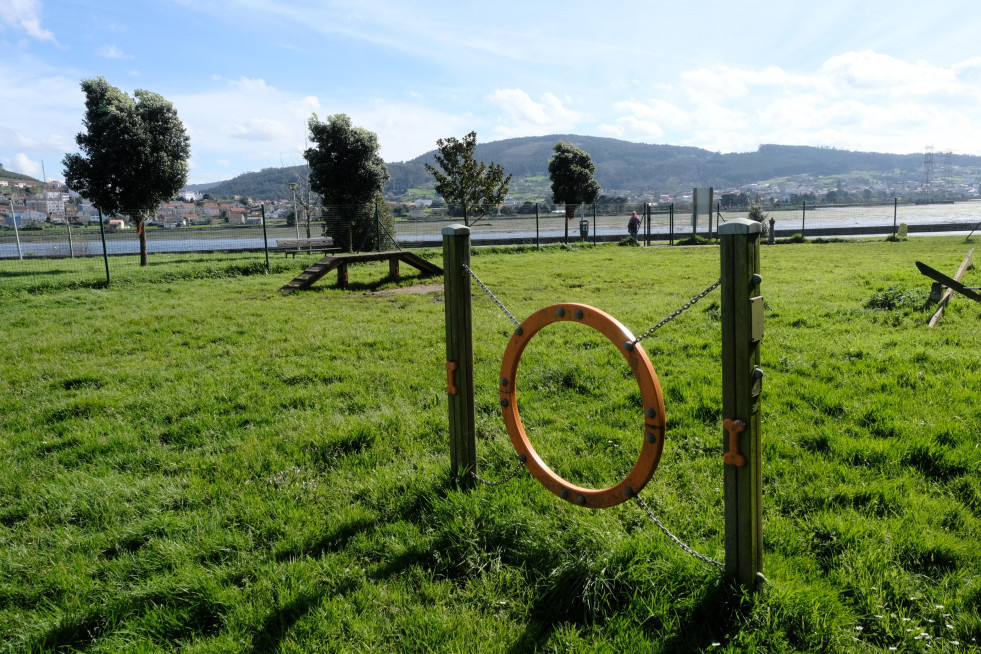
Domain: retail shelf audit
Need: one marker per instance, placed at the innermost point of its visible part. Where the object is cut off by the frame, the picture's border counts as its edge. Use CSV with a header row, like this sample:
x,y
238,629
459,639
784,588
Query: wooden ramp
x,y
340,263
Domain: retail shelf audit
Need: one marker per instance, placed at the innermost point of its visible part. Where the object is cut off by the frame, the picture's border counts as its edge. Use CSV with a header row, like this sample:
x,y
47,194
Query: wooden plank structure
x,y
296,246
952,284
942,304
742,380
340,262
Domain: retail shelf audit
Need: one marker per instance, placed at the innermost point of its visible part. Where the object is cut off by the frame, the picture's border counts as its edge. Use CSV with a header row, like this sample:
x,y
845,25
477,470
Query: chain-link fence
x,y
41,254
668,224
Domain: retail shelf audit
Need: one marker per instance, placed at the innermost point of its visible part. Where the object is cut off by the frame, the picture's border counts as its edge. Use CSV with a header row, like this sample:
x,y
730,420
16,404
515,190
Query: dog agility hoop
x,y
650,392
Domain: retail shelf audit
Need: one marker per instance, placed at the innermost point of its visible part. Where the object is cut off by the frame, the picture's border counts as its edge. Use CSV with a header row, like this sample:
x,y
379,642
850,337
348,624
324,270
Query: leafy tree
x,y
756,213
473,187
571,171
348,173
135,153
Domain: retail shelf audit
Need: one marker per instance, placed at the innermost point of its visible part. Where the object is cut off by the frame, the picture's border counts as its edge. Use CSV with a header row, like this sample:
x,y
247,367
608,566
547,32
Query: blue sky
x,y
888,76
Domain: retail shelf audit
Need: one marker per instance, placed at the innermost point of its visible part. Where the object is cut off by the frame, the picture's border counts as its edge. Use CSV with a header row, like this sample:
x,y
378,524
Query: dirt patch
x,y
421,289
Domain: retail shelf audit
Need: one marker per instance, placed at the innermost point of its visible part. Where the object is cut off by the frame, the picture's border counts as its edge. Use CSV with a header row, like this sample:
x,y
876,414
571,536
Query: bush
x,y
756,213
694,240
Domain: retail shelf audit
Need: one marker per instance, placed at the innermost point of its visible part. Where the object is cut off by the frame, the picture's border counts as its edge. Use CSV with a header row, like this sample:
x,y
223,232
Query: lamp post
x,y
296,218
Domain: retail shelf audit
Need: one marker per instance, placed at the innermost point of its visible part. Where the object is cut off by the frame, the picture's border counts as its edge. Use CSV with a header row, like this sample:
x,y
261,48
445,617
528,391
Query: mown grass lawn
x,y
203,464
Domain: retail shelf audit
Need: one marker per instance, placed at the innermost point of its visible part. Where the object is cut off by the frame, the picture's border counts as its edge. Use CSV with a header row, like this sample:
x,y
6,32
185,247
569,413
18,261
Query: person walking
x,y
633,225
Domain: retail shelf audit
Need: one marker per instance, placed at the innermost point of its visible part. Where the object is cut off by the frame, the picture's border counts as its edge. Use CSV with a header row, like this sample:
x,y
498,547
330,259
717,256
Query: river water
x,y
879,219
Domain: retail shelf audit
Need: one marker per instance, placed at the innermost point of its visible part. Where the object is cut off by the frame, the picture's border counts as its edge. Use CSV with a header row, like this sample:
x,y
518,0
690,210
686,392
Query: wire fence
x,y
35,256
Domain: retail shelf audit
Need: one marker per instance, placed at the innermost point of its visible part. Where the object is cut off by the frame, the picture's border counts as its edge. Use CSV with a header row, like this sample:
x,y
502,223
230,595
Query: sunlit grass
x,y
194,461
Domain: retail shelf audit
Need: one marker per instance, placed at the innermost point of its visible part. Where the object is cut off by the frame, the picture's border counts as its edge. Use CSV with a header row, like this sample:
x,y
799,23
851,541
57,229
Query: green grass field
x,y
193,461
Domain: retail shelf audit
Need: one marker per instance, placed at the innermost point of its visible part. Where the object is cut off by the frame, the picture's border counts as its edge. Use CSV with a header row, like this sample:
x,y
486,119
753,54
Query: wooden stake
x,y
742,331
459,355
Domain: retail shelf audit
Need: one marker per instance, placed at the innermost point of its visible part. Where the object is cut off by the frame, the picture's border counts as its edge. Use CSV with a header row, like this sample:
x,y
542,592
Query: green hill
x,y
10,175
623,167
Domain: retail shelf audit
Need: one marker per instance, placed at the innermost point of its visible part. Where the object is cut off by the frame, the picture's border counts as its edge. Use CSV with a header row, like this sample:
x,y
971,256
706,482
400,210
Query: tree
x,y
756,213
571,171
135,153
472,187
348,173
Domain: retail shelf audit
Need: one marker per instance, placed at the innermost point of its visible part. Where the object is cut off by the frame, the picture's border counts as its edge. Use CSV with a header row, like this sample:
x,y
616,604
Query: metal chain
x,y
677,541
513,474
677,312
492,296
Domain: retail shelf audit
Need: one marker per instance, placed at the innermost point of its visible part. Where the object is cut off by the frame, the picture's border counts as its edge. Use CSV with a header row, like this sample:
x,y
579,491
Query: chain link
x,y
677,541
677,312
492,296
514,473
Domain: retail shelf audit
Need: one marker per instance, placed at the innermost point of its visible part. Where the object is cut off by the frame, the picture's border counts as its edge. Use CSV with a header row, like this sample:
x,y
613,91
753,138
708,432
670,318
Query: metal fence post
x,y
594,223
265,236
895,211
105,252
459,355
647,223
537,243
742,381
671,224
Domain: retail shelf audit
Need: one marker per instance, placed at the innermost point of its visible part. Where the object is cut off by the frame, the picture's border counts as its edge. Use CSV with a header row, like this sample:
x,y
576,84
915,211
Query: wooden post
x,y
742,331
459,355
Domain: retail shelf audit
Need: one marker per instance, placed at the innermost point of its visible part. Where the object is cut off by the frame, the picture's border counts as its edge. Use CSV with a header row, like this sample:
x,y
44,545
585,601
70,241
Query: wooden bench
x,y
297,246
340,263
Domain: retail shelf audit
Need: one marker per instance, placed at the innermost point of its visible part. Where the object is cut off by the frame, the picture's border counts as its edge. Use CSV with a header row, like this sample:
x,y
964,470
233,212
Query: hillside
x,y
629,168
10,175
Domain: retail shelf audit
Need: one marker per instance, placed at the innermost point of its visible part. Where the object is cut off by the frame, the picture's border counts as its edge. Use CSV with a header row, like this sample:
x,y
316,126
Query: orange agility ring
x,y
650,392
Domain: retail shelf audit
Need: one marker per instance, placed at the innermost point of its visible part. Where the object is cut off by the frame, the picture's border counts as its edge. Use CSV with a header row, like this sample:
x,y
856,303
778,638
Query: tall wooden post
x,y
459,355
742,381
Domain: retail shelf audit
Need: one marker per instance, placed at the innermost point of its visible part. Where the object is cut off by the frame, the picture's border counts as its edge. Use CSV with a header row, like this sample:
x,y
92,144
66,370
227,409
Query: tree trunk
x,y
141,230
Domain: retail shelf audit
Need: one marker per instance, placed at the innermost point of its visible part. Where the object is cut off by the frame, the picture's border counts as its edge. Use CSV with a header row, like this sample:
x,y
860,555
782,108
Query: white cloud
x,y
21,163
407,130
645,121
856,100
525,117
259,129
305,107
259,125
872,72
112,52
25,15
